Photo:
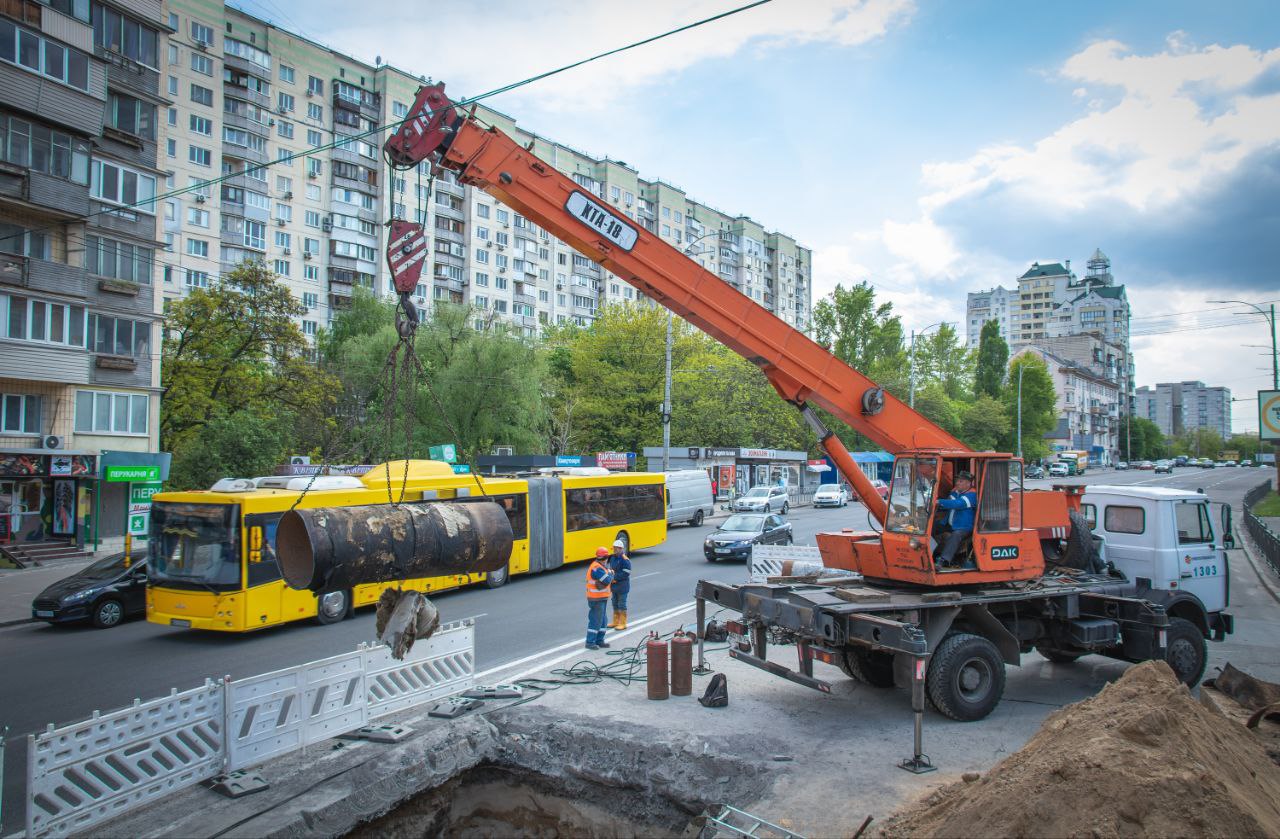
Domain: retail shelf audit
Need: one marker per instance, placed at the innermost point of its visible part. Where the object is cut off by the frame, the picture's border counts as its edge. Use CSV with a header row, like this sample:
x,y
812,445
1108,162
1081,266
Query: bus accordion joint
x,y
334,548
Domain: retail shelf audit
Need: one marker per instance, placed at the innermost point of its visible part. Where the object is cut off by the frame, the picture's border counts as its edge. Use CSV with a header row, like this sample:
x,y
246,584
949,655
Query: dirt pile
x,y
1142,758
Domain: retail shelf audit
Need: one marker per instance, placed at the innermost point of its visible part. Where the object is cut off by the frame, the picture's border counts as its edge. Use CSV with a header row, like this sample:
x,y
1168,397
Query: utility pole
x,y
1020,369
666,406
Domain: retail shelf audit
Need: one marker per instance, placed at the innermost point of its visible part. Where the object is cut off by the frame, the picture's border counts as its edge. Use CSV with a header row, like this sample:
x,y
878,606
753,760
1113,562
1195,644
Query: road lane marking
x,y
650,574
577,646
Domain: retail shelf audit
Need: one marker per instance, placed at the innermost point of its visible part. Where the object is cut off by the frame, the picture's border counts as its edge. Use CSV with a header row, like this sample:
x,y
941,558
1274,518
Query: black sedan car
x,y
105,594
733,539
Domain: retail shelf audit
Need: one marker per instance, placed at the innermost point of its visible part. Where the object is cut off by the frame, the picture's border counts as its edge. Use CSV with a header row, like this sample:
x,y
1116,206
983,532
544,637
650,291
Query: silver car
x,y
763,499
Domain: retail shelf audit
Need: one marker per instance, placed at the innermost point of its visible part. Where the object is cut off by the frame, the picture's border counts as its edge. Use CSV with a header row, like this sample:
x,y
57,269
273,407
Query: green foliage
x,y
864,335
992,359
1198,442
942,358
722,399
1039,414
240,443
234,351
984,423
1146,440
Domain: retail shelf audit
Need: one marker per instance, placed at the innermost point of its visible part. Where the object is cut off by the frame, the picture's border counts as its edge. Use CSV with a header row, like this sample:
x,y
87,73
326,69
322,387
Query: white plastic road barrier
x,y
766,560
83,774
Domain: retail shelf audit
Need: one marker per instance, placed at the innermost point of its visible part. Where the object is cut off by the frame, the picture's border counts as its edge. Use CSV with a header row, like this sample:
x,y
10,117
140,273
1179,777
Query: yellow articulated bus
x,y
212,562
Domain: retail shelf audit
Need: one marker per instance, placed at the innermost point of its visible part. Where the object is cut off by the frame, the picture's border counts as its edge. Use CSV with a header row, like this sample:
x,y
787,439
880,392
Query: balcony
x,y
262,100
62,197
42,275
129,76
527,299
55,103
235,62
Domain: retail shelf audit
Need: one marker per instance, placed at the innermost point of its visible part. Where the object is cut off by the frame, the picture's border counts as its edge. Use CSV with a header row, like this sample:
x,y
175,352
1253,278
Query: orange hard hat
x,y
602,551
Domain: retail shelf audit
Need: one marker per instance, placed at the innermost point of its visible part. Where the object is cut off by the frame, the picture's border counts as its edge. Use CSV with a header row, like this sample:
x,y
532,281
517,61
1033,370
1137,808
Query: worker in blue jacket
x,y
620,565
960,506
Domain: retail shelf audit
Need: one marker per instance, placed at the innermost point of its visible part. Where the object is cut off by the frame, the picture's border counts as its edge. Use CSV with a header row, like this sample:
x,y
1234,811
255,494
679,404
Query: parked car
x,y
1180,460
1230,464
1144,465
1122,466
689,496
733,539
1206,463
1034,470
1246,463
882,489
763,499
831,495
1164,467
1059,470
105,593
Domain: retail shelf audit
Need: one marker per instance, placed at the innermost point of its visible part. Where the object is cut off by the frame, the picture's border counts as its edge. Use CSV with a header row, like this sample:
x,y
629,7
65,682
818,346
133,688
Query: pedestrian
x,y
620,565
599,580
961,506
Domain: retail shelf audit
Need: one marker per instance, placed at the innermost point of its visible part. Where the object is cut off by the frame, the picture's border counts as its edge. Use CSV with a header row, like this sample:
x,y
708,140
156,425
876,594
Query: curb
x,y
16,621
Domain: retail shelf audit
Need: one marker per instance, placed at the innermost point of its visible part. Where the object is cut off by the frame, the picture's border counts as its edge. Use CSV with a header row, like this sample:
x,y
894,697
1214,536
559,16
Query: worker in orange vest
x,y
599,582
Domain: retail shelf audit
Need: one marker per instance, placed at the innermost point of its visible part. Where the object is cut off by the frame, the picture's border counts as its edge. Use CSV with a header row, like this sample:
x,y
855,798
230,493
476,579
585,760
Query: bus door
x,y
545,545
267,600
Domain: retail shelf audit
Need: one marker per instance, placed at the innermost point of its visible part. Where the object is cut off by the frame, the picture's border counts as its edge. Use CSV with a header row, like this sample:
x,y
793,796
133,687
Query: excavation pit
x,y
496,800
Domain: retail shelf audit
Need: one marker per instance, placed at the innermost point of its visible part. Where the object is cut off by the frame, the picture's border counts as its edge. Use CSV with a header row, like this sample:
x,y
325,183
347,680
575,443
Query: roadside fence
x,y
82,774
1267,540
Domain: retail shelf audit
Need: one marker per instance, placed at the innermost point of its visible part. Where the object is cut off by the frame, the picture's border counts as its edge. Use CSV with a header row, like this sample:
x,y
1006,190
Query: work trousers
x,y
597,613
951,540
620,597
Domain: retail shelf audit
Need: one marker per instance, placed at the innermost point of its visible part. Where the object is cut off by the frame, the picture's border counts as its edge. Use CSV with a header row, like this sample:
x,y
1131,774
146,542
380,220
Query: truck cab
x,y
1167,543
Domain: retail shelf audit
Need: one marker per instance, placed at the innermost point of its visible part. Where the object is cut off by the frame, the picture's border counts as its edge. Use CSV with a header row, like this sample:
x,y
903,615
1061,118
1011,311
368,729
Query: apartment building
x,y
999,304
79,374
1178,407
251,101
1089,403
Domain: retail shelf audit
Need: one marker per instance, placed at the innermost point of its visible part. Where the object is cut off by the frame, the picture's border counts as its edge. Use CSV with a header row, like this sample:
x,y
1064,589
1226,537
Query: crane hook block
x,y
331,548
406,253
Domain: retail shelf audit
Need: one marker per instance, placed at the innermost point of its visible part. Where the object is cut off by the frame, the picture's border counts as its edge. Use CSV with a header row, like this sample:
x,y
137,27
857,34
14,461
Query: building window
x,y
482,256
197,279
202,34
115,184
117,33
200,156
46,58
311,246
230,46
133,116
311,218
314,138
118,336
315,111
201,125
118,260
202,64
37,320
197,217
33,146
281,267
201,95
99,412
311,272
315,86
255,234
198,247
286,73
283,239
285,102
19,413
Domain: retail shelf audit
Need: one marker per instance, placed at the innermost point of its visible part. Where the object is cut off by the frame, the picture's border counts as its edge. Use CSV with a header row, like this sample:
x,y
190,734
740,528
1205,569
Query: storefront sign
x,y
616,461
758,454
20,464
568,460
60,464
461,469
118,474
64,506
447,452
721,452
693,452
140,506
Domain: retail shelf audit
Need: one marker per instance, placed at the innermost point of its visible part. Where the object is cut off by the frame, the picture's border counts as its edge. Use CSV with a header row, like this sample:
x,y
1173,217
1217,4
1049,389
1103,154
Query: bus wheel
x,y
332,606
626,542
498,579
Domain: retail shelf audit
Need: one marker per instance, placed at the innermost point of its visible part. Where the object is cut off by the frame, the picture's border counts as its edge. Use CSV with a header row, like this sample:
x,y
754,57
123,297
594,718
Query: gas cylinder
x,y
655,651
681,663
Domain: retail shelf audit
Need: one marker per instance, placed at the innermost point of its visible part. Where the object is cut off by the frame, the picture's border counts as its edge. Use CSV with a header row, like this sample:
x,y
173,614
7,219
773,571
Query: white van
x,y
689,496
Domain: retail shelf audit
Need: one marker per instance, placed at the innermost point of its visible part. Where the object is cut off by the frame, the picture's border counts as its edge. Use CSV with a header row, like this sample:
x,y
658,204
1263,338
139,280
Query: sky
x,y
930,148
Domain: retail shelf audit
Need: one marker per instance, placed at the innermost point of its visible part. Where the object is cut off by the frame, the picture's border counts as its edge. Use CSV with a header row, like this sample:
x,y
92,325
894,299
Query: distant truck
x,y
1077,461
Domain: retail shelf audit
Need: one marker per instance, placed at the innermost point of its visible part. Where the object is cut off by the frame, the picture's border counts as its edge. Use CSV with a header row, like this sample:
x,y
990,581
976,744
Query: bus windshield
x,y
195,545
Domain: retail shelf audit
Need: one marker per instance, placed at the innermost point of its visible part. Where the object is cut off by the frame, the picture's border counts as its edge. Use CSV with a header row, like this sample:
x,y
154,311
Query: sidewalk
x,y
18,587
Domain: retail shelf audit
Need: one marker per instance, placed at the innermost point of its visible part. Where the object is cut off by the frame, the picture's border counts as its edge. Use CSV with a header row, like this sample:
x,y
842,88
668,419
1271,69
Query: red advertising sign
x,y
617,461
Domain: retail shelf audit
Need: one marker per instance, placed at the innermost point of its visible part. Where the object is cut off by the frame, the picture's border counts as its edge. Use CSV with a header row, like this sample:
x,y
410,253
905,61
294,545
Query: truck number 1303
x,y
1205,571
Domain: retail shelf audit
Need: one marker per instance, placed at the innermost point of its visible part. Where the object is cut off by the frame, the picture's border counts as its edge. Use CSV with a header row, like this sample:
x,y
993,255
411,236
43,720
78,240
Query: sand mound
x,y
1142,758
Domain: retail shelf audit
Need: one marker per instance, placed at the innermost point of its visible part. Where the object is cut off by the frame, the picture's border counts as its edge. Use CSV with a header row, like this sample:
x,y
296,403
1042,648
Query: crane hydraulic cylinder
x,y
331,548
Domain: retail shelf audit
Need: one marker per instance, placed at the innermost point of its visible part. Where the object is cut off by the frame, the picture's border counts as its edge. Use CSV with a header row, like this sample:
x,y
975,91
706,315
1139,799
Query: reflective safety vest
x,y
598,589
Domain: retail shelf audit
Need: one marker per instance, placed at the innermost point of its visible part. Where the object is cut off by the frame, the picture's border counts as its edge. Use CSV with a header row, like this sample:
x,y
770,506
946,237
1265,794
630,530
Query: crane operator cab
x,y
953,518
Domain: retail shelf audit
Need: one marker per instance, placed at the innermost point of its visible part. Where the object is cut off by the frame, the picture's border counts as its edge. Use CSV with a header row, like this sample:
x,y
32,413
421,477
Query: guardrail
x,y
82,774
1267,540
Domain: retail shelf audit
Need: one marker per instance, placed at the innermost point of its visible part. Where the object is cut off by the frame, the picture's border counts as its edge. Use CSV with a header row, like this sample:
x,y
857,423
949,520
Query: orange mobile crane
x,y
1014,527
910,622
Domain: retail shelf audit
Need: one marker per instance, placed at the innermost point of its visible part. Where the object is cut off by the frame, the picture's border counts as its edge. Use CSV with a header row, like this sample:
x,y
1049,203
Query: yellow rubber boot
x,y
617,616
622,624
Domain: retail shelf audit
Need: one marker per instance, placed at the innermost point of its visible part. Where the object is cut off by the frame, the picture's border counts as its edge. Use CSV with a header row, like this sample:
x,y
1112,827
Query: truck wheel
x,y
1081,553
868,667
697,518
1058,656
1186,651
966,677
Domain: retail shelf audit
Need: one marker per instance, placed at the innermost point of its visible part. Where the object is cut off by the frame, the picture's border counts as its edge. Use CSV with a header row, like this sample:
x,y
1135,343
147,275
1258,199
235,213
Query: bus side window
x,y
517,514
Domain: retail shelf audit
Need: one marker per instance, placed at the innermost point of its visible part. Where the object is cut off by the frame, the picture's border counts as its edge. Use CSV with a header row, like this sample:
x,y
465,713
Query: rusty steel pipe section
x,y
331,548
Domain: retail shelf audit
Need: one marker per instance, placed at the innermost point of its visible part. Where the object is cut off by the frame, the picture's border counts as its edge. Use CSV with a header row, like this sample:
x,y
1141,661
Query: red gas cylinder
x,y
655,651
681,663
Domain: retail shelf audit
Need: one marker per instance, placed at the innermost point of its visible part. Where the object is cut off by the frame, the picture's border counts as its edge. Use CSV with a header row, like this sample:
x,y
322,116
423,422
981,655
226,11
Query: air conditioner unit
x,y
326,225
279,222
313,175
202,46
200,199
306,254
310,92
288,196
502,247
281,109
52,442
502,270
288,251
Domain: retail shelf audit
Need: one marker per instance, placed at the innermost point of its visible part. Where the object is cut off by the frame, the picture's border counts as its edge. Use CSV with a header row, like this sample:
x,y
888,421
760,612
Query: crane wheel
x,y
868,667
966,677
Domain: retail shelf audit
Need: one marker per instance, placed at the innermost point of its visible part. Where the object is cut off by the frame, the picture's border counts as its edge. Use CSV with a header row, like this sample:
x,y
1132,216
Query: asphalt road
x,y
62,674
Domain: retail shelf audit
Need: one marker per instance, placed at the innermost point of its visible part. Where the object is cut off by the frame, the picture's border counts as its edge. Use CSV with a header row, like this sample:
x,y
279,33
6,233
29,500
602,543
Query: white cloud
x,y
473,54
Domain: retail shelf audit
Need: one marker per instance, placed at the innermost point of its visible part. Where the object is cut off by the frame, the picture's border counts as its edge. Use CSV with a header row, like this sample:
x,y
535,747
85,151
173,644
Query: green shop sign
x,y
132,473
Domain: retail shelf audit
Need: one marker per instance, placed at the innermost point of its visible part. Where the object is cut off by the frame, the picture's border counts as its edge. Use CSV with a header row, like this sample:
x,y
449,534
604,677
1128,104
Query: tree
x,y
721,399
1196,442
240,443
984,423
234,352
1142,440
992,359
864,335
942,358
1039,405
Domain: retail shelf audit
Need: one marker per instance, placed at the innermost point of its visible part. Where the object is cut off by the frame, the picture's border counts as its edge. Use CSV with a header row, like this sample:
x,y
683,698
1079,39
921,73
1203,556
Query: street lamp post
x,y
1270,314
911,396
